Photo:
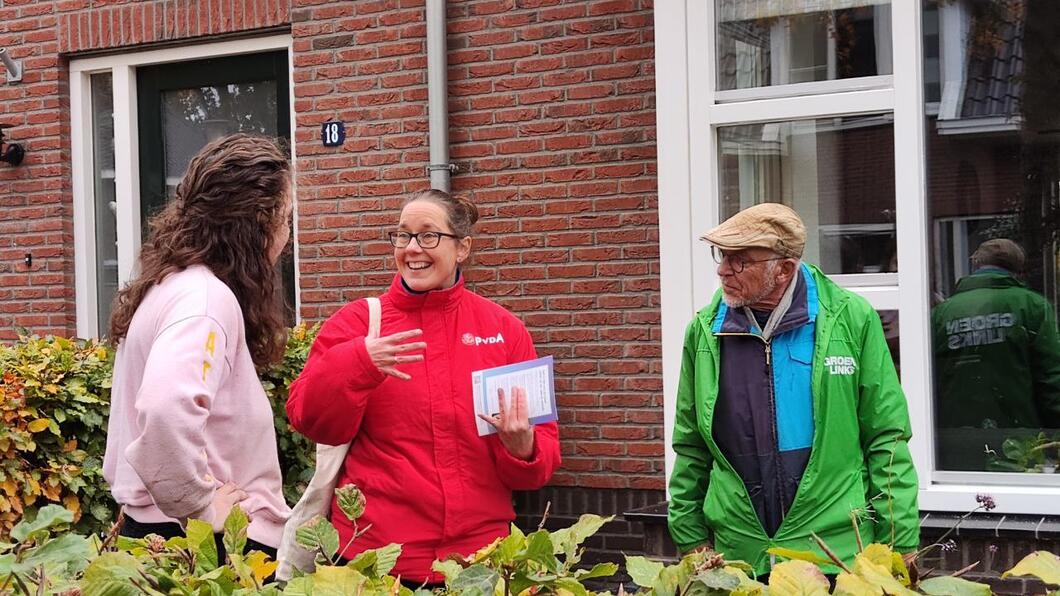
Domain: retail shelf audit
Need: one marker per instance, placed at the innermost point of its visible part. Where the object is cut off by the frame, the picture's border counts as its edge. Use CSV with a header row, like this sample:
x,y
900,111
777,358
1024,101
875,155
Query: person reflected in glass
x,y
997,358
405,400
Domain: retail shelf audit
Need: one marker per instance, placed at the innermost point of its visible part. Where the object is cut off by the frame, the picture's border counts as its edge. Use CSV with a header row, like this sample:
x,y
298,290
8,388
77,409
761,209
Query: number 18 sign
x,y
333,133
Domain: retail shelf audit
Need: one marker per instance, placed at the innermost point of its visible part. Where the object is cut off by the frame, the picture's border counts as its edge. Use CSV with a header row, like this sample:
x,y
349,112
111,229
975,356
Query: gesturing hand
x,y
387,352
513,424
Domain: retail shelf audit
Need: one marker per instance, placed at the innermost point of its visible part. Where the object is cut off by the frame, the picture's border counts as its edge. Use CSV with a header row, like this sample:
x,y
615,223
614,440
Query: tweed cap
x,y
1000,252
769,225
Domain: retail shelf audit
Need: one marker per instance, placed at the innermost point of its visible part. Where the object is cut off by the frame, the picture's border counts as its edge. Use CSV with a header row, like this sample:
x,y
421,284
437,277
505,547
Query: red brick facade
x,y
552,125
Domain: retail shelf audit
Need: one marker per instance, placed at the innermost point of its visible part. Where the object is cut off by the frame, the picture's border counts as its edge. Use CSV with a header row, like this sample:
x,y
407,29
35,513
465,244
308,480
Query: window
x,y
104,203
138,119
930,129
838,173
993,162
781,42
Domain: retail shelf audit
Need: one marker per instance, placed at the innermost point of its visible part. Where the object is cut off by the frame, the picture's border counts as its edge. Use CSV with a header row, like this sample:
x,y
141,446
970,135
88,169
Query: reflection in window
x,y
103,200
777,42
993,152
196,116
837,173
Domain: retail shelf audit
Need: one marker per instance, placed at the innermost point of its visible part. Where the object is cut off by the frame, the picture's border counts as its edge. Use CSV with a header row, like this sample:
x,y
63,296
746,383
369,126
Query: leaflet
x,y
535,376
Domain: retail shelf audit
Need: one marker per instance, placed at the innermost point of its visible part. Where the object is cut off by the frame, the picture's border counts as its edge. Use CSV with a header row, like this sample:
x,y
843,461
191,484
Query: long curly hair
x,y
226,212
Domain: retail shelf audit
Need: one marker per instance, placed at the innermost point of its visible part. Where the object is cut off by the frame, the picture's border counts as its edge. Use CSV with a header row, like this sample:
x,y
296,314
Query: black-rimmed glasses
x,y
424,239
736,261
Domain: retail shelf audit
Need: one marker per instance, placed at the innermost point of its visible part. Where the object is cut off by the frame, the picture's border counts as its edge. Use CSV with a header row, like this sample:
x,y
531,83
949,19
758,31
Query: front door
x,y
185,105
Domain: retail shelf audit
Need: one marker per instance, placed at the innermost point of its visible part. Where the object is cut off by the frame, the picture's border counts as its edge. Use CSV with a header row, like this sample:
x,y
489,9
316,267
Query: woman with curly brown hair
x,y
191,429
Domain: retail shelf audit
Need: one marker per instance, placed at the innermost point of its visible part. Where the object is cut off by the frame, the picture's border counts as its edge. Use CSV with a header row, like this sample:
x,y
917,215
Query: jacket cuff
x,y
360,353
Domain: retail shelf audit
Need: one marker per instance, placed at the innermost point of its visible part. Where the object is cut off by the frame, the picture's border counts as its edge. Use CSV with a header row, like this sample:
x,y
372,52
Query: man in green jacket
x,y
790,417
997,359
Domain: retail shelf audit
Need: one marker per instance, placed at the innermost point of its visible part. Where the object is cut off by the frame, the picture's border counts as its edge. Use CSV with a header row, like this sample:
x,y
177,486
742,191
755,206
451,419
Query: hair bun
x,y
469,208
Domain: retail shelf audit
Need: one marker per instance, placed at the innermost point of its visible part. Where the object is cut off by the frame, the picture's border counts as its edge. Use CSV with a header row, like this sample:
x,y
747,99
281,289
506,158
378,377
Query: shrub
x,y
54,396
54,403
297,453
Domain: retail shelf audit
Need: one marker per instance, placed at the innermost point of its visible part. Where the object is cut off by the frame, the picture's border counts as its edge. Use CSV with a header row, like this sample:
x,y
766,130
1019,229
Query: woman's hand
x,y
513,424
224,499
387,352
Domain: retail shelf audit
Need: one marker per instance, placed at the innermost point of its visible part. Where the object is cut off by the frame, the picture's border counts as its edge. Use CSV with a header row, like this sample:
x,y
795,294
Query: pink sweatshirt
x,y
188,412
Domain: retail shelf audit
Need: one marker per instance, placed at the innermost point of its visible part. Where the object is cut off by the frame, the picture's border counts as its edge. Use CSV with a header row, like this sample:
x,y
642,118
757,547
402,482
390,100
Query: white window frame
x,y
689,111
122,68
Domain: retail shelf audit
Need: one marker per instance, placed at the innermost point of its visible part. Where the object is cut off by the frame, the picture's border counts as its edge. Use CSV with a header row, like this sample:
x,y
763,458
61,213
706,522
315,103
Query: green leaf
x,y
510,546
799,555
299,586
598,570
319,535
351,501
48,517
476,580
9,565
378,562
202,544
1042,564
953,586
449,569
112,574
568,539
69,551
571,585
643,571
539,550
235,531
717,579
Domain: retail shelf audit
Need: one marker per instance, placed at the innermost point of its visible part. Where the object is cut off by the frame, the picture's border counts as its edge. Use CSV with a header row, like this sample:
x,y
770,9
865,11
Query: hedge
x,y
54,403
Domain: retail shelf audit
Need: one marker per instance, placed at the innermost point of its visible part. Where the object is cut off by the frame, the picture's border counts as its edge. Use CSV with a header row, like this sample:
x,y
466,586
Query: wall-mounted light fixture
x,y
12,153
13,67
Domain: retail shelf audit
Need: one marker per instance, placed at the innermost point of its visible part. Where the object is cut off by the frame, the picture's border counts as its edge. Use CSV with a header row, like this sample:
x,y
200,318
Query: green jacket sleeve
x,y
1045,369
691,472
883,418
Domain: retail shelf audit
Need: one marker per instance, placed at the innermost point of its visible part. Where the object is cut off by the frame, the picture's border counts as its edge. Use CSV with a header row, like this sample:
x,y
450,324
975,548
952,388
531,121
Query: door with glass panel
x,y
183,106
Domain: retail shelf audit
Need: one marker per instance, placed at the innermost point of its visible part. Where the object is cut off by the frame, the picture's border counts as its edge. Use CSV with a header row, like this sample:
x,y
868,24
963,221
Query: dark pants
x,y
134,529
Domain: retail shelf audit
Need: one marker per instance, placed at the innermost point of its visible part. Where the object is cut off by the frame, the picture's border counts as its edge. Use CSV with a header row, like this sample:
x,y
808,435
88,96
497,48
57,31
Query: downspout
x,y
439,167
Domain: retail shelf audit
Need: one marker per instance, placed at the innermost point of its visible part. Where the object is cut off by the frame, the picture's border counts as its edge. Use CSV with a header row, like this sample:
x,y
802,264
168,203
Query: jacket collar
x,y
803,310
405,299
991,278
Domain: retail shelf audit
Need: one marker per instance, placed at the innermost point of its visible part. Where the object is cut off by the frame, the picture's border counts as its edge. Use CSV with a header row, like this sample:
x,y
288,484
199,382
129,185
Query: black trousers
x,y
134,529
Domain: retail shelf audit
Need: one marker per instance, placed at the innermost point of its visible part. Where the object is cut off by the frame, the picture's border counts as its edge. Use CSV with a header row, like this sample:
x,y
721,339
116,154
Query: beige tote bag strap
x,y
375,316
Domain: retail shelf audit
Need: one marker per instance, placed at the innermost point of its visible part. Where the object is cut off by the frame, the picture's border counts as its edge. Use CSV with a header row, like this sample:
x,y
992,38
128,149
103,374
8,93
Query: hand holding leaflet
x,y
513,424
533,378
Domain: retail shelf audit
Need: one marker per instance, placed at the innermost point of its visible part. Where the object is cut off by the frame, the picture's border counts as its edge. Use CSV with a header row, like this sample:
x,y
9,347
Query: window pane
x,y
104,197
837,173
776,42
193,117
993,161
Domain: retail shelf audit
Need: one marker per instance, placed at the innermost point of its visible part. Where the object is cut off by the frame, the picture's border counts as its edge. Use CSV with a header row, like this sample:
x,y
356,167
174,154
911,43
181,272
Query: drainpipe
x,y
437,97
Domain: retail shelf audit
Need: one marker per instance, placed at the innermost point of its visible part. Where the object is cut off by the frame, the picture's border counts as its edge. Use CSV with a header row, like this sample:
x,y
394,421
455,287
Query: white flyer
x,y
535,376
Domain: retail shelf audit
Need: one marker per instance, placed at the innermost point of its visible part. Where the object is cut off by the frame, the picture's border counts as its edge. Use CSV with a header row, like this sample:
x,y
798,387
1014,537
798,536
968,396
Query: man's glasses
x,y
424,239
737,262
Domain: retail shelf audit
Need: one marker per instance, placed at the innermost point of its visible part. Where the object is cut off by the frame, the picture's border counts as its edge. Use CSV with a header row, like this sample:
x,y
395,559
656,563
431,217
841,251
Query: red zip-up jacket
x,y
431,483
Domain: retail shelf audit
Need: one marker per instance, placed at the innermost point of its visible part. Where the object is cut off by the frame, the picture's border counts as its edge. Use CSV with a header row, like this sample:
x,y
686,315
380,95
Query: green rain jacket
x,y
859,461
997,355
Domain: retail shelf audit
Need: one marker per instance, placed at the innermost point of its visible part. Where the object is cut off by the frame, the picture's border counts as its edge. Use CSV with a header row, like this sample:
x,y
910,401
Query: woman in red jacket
x,y
405,400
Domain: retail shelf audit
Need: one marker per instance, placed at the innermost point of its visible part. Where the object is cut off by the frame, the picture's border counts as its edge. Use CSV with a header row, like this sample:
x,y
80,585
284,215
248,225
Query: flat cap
x,y
1000,252
769,225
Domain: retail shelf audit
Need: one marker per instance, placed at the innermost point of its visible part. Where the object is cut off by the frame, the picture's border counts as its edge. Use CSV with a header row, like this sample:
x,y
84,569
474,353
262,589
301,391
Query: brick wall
x,y
552,125
36,213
